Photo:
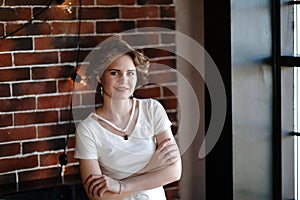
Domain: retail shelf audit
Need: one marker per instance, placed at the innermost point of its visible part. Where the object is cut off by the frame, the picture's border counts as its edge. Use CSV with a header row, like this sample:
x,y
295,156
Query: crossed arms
x,y
163,168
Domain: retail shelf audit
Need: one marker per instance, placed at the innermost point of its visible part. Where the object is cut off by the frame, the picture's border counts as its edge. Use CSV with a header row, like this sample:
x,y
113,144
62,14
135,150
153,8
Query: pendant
x,y
125,137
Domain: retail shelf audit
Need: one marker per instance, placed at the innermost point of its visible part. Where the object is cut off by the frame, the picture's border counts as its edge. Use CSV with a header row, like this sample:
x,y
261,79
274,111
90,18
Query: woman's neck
x,y
117,107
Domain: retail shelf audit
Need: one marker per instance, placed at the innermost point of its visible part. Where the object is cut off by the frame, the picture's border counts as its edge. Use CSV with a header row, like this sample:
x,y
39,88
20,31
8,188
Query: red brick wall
x,y
35,67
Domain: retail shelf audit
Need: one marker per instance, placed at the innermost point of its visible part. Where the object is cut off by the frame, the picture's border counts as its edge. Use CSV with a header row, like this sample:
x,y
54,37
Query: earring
x,y
101,90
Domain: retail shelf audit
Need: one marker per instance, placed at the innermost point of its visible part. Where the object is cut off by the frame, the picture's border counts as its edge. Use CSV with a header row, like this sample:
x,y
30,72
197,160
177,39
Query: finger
x,y
163,143
93,187
172,155
101,189
172,160
168,148
92,181
90,178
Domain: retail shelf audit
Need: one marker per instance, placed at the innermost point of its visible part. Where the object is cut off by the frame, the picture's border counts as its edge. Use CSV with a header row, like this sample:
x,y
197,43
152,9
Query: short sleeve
x,y
85,146
160,118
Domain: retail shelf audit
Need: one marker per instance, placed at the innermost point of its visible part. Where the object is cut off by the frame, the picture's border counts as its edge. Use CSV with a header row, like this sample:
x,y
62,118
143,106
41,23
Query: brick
x,y
72,170
55,130
72,27
172,193
60,101
50,159
53,158
159,52
7,178
16,74
141,39
160,78
6,120
169,103
63,71
37,174
36,117
139,12
116,2
114,27
84,2
150,92
70,154
15,14
5,90
167,12
27,2
34,88
100,13
167,24
54,13
55,42
76,3
9,105
1,28
170,91
172,116
9,149
11,164
65,85
88,98
41,146
92,41
71,56
35,58
168,38
71,145
77,114
14,134
16,44
30,29
160,2
169,63
5,60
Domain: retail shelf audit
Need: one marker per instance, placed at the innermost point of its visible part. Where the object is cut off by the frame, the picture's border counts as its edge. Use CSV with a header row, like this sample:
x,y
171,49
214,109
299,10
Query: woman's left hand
x,y
98,184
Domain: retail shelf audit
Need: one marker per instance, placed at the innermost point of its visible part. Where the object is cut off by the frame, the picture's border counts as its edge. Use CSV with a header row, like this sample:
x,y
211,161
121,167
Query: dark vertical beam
x,y
276,53
217,42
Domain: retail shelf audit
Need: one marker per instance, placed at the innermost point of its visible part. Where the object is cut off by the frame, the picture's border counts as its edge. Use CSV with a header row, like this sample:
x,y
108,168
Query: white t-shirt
x,y
119,158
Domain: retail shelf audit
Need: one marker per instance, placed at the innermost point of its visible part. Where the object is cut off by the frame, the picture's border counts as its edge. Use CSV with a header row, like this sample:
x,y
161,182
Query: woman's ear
x,y
99,79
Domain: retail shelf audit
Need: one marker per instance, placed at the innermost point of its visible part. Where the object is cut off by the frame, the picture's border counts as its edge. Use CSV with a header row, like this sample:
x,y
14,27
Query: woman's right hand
x,y
165,154
98,184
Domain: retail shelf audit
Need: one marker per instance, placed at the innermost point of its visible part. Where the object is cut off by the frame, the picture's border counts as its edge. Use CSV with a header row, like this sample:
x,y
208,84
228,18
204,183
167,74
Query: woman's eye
x,y
131,73
114,73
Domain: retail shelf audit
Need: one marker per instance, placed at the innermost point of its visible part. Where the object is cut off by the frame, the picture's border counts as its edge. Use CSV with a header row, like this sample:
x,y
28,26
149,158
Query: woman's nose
x,y
123,77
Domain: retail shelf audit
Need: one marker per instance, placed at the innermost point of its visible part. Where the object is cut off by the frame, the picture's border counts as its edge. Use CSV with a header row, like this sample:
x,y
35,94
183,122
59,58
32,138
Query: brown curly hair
x,y
107,52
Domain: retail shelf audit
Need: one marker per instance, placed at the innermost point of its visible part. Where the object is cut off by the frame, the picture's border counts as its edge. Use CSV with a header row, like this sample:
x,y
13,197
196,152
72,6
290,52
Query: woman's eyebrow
x,y
130,70
113,70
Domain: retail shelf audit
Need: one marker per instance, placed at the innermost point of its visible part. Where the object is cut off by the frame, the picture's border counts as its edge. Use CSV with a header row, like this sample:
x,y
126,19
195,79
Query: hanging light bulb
x,y
68,8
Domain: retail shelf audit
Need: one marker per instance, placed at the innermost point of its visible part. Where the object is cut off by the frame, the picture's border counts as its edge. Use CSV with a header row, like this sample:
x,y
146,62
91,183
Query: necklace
x,y
128,124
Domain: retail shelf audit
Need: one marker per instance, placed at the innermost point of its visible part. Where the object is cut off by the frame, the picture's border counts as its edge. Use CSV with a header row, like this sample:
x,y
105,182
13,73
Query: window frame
x,y
283,99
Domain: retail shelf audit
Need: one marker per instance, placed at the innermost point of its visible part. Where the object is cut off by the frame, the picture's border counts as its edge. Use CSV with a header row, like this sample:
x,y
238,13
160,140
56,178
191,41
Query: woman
x,y
125,148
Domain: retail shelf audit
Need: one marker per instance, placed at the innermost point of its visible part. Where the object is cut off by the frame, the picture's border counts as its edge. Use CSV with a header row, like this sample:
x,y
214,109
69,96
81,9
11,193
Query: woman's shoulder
x,y
87,122
148,102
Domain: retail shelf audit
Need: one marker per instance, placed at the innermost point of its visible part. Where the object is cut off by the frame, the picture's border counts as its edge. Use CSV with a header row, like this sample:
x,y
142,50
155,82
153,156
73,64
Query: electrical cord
x,y
29,22
63,158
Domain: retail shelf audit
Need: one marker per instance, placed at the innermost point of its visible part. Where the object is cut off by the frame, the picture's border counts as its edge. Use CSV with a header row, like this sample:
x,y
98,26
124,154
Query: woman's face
x,y
119,78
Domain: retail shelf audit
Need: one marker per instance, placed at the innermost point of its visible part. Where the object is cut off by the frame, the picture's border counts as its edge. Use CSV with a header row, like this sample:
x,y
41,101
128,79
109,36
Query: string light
x,y
68,8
